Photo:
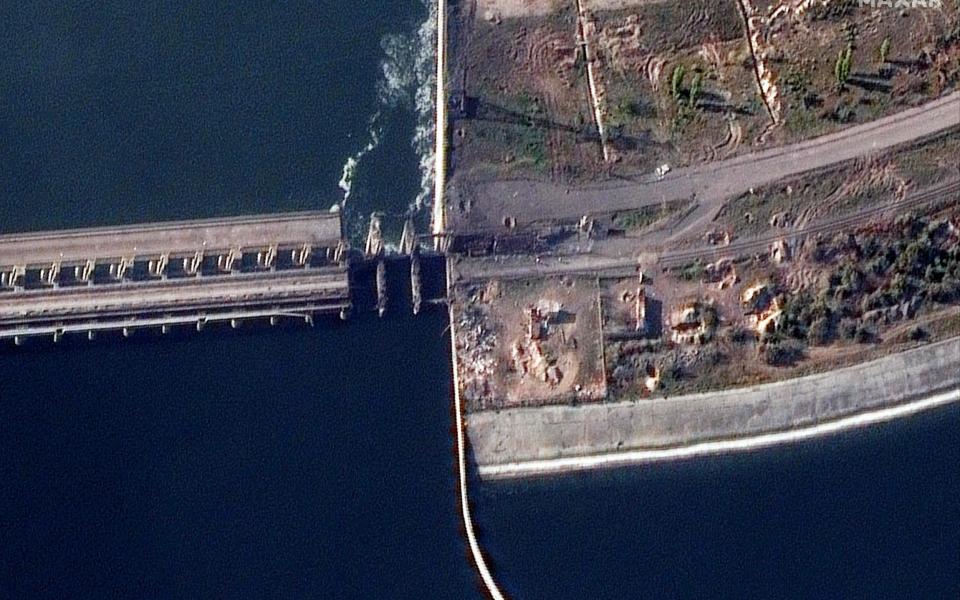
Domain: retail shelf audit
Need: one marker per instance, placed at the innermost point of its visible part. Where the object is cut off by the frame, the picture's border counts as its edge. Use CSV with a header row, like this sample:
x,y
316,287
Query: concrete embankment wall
x,y
508,443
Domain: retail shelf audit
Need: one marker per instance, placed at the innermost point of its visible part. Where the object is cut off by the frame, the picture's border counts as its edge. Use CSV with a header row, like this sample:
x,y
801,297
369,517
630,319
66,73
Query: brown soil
x,y
521,62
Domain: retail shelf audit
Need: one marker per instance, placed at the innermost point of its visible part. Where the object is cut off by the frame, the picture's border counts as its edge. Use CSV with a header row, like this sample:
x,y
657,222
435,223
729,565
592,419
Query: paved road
x,y
710,183
279,288
320,229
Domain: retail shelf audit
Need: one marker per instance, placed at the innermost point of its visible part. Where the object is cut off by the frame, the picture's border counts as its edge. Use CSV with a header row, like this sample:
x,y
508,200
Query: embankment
x,y
533,441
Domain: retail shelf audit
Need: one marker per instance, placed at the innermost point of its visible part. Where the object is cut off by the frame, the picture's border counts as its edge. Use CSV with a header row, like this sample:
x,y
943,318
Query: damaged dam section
x,y
293,266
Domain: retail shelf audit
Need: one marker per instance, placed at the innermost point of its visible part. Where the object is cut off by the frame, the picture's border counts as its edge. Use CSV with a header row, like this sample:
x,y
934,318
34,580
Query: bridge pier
x,y
13,277
301,257
158,268
86,275
381,287
194,265
374,245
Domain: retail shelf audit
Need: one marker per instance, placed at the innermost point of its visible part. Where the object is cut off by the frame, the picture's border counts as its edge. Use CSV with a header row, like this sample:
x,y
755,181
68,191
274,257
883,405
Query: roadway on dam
x,y
108,288
175,295
318,229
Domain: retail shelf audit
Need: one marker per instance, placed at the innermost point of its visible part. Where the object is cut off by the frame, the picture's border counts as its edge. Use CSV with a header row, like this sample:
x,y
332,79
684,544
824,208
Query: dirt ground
x,y
875,288
522,65
795,203
498,364
512,9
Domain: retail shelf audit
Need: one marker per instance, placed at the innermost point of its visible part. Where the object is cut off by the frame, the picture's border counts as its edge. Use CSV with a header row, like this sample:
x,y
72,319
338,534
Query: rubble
x,y
692,322
475,344
780,252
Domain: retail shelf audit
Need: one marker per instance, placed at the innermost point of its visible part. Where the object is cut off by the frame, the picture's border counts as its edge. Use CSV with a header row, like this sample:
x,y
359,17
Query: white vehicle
x,y
662,170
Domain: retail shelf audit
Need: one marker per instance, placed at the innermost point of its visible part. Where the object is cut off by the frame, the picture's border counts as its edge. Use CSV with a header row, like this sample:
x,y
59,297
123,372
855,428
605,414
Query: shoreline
x,y
555,439
562,466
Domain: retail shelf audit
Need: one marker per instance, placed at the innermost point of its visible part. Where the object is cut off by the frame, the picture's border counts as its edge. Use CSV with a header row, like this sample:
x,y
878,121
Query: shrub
x,y
865,334
784,353
848,329
739,335
820,332
693,271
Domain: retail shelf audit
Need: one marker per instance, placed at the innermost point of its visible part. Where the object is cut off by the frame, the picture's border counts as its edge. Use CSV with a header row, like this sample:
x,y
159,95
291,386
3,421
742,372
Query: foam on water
x,y
407,82
424,135
350,166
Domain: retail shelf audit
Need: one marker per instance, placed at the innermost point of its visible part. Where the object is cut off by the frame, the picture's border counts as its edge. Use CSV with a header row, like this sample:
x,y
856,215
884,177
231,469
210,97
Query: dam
x,y
159,275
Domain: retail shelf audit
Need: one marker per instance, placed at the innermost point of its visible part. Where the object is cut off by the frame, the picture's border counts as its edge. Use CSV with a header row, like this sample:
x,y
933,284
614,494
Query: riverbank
x,y
535,441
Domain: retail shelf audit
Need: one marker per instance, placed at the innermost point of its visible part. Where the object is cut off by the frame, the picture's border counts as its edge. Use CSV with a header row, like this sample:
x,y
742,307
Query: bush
x,y
848,329
740,335
693,271
784,353
865,334
820,332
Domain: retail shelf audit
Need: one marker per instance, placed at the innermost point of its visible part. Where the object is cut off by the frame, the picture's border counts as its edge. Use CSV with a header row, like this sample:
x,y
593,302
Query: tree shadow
x,y
869,82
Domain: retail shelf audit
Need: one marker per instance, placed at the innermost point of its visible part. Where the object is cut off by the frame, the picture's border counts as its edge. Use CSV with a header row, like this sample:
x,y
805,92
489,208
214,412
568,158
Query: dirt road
x,y
483,204
621,257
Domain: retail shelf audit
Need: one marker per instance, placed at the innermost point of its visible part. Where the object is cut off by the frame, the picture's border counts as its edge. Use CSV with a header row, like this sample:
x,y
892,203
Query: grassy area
x,y
636,220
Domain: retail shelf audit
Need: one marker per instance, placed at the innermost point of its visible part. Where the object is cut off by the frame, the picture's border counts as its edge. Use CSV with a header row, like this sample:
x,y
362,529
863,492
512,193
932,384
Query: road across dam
x,y
159,274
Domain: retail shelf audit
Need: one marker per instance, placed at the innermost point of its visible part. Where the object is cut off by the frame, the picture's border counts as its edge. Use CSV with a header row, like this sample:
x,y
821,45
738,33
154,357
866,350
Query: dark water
x,y
292,464
318,463
872,514
123,111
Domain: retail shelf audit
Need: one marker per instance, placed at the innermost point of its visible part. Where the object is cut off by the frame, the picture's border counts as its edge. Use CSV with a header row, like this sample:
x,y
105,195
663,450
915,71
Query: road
x,y
323,290
620,257
184,238
491,201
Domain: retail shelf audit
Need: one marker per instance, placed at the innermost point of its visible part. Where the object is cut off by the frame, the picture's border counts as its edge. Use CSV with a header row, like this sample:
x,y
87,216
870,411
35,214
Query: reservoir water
x,y
318,463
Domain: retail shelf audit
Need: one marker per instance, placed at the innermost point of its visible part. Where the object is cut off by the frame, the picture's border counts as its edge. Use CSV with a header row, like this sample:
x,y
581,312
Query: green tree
x,y
676,81
841,69
884,50
696,87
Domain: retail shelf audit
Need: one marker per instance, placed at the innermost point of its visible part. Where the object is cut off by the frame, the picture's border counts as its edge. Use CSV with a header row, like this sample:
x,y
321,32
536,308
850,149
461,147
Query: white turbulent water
x,y
350,167
408,80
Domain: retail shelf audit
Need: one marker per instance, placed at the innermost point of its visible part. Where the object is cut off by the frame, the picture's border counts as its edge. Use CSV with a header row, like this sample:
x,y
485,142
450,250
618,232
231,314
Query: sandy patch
x,y
491,10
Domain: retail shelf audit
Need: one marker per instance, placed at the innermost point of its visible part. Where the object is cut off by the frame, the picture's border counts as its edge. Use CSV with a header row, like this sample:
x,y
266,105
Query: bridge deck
x,y
136,304
319,229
